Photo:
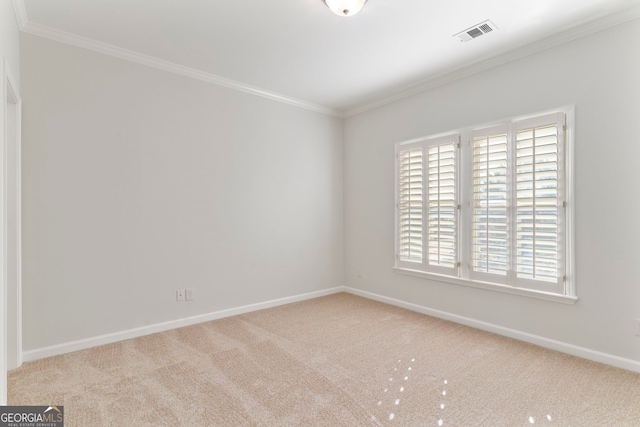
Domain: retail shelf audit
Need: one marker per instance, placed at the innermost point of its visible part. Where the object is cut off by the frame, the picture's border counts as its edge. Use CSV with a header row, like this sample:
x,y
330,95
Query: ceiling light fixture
x,y
345,7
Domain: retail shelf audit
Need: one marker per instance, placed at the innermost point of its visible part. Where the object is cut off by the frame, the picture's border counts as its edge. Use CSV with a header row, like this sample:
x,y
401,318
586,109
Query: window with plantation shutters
x,y
490,202
410,205
427,205
489,207
539,201
442,205
516,201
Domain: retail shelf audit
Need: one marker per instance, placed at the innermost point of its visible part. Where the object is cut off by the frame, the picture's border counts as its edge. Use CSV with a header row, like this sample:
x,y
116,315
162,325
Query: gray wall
x,y
9,64
138,182
599,74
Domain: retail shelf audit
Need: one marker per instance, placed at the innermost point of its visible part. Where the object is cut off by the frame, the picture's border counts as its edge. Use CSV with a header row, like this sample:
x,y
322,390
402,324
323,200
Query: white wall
x,y
138,182
599,74
10,39
9,64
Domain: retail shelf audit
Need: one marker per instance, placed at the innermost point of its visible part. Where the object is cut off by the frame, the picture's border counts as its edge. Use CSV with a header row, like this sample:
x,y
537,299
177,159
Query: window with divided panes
x,y
501,219
427,205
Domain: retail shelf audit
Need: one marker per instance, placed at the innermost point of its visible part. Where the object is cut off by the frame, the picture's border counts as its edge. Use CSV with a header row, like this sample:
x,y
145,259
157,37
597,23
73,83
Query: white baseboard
x,y
585,353
574,350
41,353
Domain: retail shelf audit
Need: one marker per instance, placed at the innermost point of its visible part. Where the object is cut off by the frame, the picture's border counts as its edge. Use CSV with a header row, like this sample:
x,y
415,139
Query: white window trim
x,y
547,296
463,278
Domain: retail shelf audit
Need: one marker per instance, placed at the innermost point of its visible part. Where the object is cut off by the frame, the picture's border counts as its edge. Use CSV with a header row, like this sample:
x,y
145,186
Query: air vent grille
x,y
485,28
476,31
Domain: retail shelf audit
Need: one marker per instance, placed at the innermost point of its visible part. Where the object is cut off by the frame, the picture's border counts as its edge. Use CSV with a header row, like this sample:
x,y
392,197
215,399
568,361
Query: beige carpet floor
x,y
339,360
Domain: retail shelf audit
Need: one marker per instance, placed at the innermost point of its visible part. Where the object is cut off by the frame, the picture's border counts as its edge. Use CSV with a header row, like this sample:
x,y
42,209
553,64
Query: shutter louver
x,y
537,203
490,195
442,205
411,205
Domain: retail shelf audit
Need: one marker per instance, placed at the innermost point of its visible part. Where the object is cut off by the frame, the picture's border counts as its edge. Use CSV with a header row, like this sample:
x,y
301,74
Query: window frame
x,y
565,290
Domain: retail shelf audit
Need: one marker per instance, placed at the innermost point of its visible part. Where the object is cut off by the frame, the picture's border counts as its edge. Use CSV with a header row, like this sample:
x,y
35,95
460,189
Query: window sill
x,y
547,296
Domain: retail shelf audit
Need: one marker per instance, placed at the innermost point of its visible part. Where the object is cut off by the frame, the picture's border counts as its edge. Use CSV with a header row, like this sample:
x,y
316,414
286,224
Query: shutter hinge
x,y
564,279
458,264
564,128
458,207
564,204
458,145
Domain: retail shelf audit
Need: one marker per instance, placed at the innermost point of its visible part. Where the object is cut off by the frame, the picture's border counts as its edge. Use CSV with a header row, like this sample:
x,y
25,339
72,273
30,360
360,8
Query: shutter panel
x,y
410,205
442,205
490,196
537,203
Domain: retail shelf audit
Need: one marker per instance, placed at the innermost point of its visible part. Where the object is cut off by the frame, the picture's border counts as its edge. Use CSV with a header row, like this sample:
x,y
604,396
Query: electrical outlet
x,y
638,327
188,294
180,295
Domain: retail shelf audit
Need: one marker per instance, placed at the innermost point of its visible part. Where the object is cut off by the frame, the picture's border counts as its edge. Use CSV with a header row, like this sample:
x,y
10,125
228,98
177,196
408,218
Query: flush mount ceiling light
x,y
345,7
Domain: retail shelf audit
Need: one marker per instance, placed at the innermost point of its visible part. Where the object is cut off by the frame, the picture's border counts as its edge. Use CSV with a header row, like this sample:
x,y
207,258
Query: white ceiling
x,y
299,51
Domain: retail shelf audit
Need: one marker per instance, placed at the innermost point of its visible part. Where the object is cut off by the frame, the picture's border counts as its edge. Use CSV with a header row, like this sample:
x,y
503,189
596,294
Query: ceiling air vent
x,y
476,31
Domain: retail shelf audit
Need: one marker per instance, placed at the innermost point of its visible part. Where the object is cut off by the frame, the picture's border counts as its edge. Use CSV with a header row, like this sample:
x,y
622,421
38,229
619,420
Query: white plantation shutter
x,y
516,219
539,201
428,205
489,253
442,204
410,205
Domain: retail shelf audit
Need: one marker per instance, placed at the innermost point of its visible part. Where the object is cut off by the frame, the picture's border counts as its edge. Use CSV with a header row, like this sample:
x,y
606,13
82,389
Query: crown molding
x,y
488,62
479,65
21,13
150,61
